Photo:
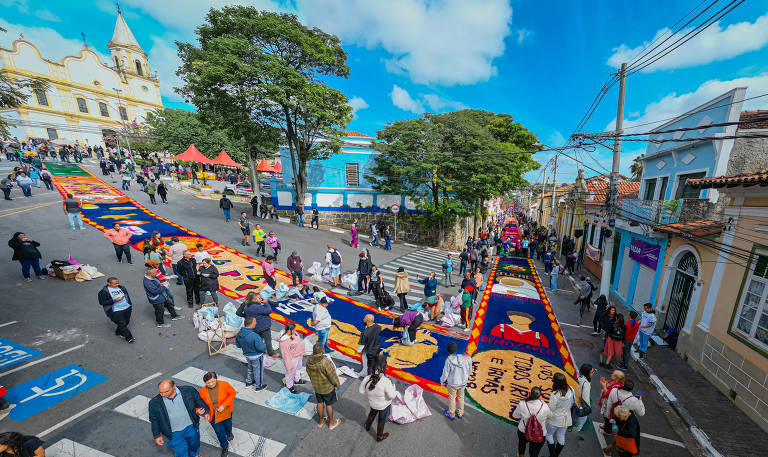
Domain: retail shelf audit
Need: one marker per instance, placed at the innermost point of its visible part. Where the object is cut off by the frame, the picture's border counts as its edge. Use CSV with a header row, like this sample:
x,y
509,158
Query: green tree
x,y
264,74
637,167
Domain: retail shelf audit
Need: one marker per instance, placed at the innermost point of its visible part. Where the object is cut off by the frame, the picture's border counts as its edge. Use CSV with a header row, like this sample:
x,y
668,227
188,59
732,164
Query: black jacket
x,y
24,250
225,203
158,415
364,267
211,282
105,299
187,269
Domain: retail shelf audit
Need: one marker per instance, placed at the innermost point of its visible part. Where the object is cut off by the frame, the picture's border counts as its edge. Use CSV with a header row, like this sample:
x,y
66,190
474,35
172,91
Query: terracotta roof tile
x,y
357,134
599,190
747,116
747,179
693,229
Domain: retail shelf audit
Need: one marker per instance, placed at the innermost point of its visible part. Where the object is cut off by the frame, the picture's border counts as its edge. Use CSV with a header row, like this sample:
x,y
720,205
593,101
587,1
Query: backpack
x,y
534,432
335,257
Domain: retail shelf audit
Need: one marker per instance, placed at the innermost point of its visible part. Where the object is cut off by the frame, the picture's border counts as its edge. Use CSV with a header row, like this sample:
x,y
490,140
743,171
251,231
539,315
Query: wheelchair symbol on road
x,y
59,382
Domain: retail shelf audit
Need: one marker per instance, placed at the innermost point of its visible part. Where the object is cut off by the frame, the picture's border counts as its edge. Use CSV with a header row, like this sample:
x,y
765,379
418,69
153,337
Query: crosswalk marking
x,y
246,444
279,367
69,448
194,376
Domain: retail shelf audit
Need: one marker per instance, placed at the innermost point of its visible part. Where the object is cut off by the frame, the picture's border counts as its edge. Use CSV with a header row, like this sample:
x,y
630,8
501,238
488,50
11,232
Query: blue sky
x,y
542,62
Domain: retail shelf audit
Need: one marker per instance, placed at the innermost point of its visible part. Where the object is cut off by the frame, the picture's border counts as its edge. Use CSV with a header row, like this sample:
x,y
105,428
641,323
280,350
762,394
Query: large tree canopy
x,y
263,74
451,163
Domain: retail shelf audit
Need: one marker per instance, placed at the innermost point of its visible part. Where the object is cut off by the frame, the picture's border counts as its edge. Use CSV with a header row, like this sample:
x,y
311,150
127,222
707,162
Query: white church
x,y
87,99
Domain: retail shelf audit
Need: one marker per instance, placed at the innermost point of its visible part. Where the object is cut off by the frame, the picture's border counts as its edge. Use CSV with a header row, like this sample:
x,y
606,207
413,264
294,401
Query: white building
x,y
86,98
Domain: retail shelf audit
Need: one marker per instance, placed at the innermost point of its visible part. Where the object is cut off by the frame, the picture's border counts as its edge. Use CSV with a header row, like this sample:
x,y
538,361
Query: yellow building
x,y
87,98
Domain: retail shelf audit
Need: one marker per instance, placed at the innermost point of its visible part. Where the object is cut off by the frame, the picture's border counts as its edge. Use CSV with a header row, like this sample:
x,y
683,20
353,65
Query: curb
x,y
698,434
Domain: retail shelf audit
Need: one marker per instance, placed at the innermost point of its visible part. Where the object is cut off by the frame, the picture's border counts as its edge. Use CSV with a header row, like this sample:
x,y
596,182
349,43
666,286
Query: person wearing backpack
x,y
532,414
560,402
333,260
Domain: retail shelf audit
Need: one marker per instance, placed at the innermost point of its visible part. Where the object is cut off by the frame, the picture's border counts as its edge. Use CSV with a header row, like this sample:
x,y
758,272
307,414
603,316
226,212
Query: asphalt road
x,y
62,320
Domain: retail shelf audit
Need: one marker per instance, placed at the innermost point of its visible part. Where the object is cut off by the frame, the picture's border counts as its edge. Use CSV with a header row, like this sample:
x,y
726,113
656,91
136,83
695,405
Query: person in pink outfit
x,y
292,353
353,230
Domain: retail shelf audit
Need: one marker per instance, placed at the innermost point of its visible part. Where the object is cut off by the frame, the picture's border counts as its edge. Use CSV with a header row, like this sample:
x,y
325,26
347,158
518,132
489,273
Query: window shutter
x,y
353,174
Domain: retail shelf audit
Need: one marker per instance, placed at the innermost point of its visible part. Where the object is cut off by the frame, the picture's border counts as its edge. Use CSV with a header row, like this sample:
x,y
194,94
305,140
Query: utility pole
x,y
554,187
541,203
611,201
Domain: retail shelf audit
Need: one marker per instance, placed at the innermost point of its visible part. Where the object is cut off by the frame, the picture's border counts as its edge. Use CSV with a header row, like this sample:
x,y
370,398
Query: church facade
x,y
87,102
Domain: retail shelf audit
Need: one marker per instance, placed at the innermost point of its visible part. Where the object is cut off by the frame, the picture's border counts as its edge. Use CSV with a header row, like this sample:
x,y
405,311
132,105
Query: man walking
x,y
150,189
296,268
176,251
374,235
455,376
322,374
333,260
225,204
187,271
117,306
157,297
258,238
315,223
363,274
370,342
245,227
72,208
255,205
120,238
321,321
448,270
253,350
175,415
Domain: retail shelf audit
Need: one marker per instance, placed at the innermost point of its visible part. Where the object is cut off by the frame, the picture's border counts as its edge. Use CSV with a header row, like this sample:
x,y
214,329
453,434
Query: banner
x,y
592,252
644,253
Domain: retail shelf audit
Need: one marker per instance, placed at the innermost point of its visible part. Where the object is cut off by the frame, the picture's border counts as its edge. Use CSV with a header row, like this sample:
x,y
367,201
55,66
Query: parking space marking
x,y
69,448
8,323
12,353
599,425
35,362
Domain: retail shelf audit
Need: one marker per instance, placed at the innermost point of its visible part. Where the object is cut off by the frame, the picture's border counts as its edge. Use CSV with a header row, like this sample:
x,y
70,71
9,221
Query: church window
x,y
123,113
145,88
42,97
81,105
139,69
117,62
103,109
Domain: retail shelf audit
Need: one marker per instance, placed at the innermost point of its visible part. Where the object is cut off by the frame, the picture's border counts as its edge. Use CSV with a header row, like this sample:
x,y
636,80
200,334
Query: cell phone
x,y
639,394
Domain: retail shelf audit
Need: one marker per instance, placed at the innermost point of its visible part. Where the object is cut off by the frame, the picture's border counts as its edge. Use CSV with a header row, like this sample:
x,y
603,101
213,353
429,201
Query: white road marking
x,y
661,439
97,405
69,448
245,443
337,230
600,438
194,376
8,323
35,362
411,245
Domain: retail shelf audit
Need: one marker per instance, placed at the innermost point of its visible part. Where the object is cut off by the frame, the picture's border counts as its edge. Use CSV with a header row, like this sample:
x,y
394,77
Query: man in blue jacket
x,y
175,414
253,349
430,284
260,310
156,295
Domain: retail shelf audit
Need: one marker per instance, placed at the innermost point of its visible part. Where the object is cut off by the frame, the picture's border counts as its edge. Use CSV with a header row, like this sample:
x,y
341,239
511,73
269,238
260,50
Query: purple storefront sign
x,y
644,253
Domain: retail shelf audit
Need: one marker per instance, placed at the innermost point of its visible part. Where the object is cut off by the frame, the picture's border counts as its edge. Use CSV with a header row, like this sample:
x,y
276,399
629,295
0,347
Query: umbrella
x,y
224,159
192,155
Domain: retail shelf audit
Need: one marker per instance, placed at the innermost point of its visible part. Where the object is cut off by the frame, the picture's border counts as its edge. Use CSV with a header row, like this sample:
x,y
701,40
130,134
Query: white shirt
x,y
526,409
648,319
200,255
177,251
560,407
625,398
382,395
585,387
321,314
118,305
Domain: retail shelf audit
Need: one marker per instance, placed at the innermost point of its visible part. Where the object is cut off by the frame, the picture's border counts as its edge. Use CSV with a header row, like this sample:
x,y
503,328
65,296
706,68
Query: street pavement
x,y
62,321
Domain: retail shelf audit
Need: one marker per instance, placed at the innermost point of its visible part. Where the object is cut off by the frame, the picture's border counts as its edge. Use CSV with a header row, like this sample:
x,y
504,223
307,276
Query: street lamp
x,y
120,115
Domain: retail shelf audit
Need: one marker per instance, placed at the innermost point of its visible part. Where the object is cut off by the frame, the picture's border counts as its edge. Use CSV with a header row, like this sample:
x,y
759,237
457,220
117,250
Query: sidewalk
x,y
717,424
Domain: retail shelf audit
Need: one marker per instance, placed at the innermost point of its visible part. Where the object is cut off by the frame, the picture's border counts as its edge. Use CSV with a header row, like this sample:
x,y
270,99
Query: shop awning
x,y
224,159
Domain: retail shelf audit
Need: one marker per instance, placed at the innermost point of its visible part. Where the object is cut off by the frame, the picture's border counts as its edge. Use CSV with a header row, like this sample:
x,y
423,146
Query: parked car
x,y
241,188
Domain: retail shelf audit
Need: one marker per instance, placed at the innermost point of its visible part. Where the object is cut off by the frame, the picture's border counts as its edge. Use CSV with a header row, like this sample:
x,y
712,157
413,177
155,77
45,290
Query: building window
x,y
123,113
139,69
52,133
650,189
117,62
81,105
103,109
686,191
353,174
42,97
663,188
752,318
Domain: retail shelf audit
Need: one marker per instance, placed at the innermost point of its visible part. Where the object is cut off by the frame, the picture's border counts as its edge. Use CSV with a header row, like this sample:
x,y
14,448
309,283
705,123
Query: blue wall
x,y
626,240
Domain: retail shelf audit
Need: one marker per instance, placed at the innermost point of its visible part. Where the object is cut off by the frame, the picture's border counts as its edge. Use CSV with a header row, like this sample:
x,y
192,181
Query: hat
x,y
294,253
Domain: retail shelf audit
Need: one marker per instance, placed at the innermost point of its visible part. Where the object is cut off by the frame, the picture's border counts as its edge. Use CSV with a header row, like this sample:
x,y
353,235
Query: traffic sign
x,y
41,393
394,209
12,353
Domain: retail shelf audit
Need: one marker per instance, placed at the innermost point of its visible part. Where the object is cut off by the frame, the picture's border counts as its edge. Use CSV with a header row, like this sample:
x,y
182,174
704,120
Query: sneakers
x,y
334,424
163,325
131,340
177,308
300,382
28,279
177,317
259,388
230,437
293,390
595,334
448,414
41,277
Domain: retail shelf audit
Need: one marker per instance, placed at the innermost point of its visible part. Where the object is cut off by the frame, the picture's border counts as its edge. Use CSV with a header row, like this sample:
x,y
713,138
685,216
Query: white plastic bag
x,y
350,281
282,291
230,317
315,269
456,302
410,406
267,292
447,320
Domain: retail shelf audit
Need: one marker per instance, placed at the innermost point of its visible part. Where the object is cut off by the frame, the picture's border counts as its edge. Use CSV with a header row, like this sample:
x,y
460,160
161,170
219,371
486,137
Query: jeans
x,y
388,244
271,281
553,283
533,448
75,217
315,223
185,443
214,295
297,277
261,246
382,413
579,422
462,268
322,338
160,308
375,240
126,185
547,267
455,408
226,213
626,352
121,249
34,263
300,220
48,184
179,279
192,290
121,319
26,190
254,373
223,429
7,193
643,341
36,182
555,433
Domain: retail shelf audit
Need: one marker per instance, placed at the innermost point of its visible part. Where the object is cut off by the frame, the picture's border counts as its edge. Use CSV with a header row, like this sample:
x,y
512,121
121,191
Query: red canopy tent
x,y
278,167
192,155
265,167
224,159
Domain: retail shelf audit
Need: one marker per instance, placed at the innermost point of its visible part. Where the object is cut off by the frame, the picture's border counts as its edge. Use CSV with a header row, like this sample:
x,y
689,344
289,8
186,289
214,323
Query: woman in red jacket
x,y
220,398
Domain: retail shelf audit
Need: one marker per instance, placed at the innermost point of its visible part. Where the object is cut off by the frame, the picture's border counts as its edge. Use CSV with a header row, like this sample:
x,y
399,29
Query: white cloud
x,y
402,99
713,44
47,15
674,105
357,103
437,103
49,42
164,58
524,35
555,139
447,42
22,6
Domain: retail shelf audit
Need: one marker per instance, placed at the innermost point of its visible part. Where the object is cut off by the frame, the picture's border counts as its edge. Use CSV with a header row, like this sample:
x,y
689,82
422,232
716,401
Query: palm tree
x,y
637,167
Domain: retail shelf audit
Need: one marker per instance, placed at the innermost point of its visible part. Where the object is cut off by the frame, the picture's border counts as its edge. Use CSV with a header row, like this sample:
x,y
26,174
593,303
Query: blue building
x,y
338,183
641,245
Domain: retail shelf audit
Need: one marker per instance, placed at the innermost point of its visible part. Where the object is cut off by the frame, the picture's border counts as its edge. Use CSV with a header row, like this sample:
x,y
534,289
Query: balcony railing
x,y
652,212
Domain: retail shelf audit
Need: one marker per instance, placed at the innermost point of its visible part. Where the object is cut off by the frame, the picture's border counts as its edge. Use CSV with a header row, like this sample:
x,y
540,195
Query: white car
x,y
242,188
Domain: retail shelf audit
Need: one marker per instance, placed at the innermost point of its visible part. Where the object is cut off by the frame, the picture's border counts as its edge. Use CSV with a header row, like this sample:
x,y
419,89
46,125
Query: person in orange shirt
x,y
120,238
220,398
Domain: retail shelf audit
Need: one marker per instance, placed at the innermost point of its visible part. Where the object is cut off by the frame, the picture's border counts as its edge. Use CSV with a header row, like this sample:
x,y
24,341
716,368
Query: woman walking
x,y
531,408
353,232
402,287
560,402
273,242
553,275
292,352
601,305
220,398
380,392
583,402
